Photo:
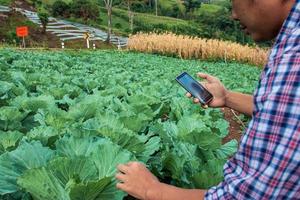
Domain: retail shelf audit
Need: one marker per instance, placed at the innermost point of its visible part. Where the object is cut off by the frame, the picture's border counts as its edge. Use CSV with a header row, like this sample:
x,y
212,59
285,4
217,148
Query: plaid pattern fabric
x,y
267,164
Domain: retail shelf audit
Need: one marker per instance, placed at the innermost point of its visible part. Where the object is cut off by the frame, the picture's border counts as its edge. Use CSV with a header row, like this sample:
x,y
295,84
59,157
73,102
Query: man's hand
x,y
137,180
215,87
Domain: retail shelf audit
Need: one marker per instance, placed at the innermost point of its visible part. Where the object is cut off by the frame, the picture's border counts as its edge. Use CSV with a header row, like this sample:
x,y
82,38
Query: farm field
x,y
67,118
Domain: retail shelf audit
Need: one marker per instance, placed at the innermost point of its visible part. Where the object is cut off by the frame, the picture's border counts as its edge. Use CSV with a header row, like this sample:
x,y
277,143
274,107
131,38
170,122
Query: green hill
x,y
142,22
209,21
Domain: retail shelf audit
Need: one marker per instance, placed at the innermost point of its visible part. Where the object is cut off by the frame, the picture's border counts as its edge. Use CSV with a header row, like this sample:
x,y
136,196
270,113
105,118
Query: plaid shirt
x,y
267,164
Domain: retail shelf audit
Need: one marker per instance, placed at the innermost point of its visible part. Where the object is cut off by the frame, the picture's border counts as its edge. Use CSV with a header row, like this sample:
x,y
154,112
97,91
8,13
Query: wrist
x,y
155,191
227,98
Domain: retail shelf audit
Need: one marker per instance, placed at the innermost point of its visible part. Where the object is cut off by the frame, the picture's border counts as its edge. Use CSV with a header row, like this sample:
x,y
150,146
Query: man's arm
x,y
168,192
242,103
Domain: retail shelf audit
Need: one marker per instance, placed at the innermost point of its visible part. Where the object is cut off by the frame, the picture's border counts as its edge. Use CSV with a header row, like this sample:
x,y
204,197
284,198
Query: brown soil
x,y
23,4
235,127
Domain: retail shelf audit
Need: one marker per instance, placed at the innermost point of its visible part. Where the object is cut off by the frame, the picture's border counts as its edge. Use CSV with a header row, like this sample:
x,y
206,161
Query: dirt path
x,y
235,127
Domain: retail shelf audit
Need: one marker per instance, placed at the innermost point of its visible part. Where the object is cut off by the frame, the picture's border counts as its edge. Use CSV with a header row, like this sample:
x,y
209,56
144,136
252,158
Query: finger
x,y
204,84
132,163
121,177
123,168
122,186
208,77
196,100
204,106
189,95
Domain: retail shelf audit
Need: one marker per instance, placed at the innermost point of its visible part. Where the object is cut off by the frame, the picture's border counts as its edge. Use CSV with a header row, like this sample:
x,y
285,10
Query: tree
x,y
44,18
130,14
60,8
36,3
85,9
191,5
156,7
108,6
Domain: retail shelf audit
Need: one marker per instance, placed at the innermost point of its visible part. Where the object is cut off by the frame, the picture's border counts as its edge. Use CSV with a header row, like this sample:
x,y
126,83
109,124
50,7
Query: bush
x,y
85,9
118,25
44,18
12,38
60,8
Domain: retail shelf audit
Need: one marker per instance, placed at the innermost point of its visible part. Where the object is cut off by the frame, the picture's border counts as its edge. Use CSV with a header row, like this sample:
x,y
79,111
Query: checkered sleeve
x,y
267,164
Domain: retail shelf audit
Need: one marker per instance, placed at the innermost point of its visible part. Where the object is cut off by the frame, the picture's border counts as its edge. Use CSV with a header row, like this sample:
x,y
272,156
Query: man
x,y
267,164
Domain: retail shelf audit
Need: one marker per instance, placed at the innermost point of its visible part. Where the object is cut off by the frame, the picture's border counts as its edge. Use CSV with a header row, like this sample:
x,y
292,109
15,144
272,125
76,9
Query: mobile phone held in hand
x,y
195,88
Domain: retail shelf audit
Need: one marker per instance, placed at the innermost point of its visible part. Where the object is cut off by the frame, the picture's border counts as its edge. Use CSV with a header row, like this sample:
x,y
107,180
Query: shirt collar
x,y
291,22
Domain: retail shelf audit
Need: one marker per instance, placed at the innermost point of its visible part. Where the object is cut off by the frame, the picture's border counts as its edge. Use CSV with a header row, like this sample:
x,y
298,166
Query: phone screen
x,y
194,87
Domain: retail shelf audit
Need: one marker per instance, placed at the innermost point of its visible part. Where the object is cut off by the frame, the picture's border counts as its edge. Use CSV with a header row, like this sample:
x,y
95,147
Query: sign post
x,y
22,32
87,36
119,44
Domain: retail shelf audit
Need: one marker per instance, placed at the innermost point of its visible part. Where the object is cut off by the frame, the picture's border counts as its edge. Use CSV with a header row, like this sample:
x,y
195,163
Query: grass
x,y
169,4
148,18
5,2
210,8
119,24
219,2
120,21
50,2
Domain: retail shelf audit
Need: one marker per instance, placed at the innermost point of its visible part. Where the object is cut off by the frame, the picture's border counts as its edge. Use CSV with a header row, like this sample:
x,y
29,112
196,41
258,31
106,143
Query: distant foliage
x,y
44,18
60,8
191,5
85,9
219,25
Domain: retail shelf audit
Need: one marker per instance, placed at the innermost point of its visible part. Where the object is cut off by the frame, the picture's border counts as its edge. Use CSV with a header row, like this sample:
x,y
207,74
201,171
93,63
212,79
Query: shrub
x,y
60,8
44,18
118,25
85,9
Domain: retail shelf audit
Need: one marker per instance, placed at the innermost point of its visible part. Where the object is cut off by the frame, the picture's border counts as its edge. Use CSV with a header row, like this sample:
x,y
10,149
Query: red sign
x,y
22,31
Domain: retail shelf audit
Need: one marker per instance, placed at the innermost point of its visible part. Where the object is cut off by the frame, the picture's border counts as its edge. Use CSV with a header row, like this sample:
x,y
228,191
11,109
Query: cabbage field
x,y
68,118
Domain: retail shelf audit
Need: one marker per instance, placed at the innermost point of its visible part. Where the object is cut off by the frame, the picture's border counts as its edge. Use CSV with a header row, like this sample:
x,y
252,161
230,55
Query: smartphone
x,y
195,88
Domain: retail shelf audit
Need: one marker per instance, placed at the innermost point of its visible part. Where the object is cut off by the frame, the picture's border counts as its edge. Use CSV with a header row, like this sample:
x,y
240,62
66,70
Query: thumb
x,y
208,77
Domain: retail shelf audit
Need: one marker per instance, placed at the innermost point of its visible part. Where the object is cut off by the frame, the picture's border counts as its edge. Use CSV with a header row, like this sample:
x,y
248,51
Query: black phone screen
x,y
194,87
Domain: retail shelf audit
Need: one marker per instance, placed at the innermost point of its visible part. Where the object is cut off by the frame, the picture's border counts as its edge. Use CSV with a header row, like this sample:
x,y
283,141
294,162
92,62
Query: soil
x,y
23,4
235,127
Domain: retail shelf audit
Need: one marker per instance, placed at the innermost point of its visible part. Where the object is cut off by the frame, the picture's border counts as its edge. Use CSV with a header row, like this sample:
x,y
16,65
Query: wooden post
x,y
87,43
119,44
24,45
